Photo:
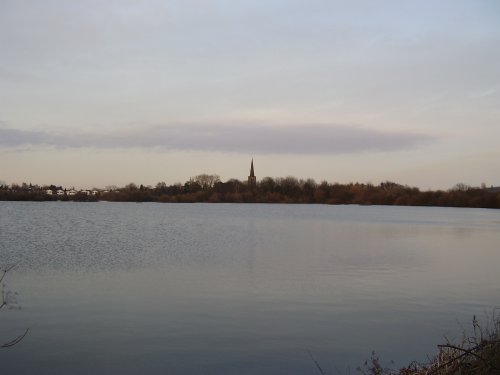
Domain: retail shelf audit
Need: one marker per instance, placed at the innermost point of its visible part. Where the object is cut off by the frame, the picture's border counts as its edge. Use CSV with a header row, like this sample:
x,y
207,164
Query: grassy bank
x,y
478,353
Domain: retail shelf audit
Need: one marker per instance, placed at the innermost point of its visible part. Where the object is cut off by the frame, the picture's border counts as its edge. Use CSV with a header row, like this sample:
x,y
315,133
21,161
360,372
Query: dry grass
x,y
477,354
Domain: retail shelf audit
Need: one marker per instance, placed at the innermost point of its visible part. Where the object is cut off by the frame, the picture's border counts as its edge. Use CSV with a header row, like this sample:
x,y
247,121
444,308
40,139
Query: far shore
x,y
209,189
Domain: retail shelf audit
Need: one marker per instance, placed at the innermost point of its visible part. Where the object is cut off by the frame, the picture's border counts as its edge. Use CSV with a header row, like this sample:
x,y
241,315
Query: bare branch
x,y
5,298
5,270
316,363
16,340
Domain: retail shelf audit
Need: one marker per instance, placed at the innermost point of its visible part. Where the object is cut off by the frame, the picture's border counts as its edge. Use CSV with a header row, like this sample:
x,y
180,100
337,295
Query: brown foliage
x,y
209,188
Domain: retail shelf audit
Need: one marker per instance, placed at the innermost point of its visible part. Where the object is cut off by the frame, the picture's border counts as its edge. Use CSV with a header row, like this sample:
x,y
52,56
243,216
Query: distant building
x,y
252,180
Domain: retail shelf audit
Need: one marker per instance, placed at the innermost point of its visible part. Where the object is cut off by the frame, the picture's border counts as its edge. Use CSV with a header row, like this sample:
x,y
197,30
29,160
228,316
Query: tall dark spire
x,y
252,180
252,174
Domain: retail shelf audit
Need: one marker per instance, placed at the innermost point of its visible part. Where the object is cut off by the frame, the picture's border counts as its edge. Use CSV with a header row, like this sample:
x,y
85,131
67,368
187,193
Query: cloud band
x,y
294,139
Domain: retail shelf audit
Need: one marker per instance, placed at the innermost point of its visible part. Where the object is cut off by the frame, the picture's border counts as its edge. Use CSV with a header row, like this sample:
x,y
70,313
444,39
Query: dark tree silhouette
x,y
209,188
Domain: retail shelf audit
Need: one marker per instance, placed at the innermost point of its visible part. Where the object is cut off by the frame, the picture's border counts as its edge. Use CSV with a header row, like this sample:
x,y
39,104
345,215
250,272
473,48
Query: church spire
x,y
252,180
252,174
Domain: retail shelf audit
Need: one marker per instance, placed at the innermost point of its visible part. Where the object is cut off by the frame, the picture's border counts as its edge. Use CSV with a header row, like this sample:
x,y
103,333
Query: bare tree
x,y
207,181
8,300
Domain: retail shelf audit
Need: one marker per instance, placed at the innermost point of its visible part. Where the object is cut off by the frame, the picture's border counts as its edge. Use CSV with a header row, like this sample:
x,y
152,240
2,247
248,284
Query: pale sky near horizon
x,y
96,93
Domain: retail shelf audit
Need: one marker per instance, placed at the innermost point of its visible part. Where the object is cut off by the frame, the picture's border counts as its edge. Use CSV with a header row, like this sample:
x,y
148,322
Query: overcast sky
x,y
96,93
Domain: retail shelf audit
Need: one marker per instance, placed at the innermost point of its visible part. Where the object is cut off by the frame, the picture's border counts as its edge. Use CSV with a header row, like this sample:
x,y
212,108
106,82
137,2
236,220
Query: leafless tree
x,y
207,181
8,300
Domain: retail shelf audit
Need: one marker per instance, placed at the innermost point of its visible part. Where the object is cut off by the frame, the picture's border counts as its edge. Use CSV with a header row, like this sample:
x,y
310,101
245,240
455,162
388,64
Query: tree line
x,y
209,188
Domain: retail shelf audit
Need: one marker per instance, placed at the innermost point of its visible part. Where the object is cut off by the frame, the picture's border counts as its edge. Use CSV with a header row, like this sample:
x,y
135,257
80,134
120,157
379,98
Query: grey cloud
x,y
16,137
304,139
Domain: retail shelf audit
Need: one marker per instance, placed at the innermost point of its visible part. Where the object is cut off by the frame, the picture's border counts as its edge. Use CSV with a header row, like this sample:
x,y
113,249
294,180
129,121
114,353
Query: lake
x,y
239,288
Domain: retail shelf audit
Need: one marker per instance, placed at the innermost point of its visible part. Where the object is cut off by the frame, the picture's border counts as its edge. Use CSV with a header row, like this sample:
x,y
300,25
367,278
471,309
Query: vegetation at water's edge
x,y
8,300
209,188
477,354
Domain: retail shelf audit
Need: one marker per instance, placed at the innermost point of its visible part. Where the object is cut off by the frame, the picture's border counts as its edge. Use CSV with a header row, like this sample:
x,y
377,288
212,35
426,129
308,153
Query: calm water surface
x,y
239,289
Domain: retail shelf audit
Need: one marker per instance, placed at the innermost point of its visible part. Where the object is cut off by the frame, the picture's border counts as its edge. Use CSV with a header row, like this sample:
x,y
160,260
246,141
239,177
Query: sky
x,y
96,93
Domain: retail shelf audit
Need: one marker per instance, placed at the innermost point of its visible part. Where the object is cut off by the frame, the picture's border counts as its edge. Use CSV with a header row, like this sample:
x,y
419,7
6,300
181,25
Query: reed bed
x,y
478,353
